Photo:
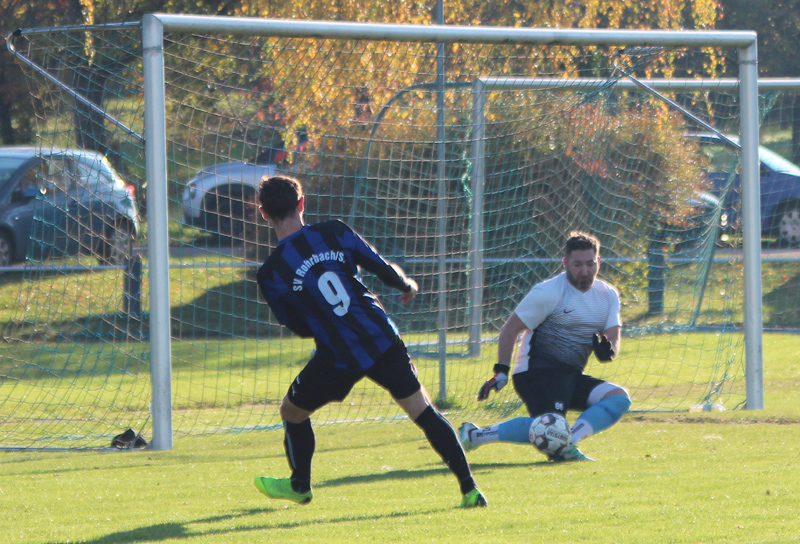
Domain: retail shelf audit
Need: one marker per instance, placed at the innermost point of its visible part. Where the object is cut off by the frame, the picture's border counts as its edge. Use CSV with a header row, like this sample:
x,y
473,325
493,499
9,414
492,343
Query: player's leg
x,y
603,404
442,438
514,431
317,384
395,373
542,390
299,444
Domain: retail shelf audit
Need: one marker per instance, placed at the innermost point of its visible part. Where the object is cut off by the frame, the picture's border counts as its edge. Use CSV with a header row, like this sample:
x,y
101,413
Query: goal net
x,y
471,187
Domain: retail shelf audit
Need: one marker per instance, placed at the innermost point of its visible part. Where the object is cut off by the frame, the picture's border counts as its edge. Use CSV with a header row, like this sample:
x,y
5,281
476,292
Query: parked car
x,y
63,201
780,187
219,198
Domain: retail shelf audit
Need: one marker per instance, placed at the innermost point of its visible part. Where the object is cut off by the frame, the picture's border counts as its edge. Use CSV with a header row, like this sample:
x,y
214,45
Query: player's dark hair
x,y
279,196
578,240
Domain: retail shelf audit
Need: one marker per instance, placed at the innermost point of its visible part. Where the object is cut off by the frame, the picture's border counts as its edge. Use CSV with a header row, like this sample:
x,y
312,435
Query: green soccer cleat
x,y
473,498
570,453
464,435
281,488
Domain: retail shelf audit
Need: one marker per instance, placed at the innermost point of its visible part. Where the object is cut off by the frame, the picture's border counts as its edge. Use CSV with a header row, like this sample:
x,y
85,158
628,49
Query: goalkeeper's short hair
x,y
578,240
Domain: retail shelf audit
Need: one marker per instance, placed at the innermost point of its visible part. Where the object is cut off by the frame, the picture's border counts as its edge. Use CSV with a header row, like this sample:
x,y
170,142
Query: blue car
x,y
61,202
780,187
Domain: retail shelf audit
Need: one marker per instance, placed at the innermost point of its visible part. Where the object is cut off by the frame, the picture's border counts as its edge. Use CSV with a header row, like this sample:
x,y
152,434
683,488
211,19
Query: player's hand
x,y
498,382
601,346
409,295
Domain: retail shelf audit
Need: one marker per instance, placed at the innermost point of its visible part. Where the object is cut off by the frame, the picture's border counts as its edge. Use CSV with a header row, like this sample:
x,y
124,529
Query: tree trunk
x,y
90,129
6,129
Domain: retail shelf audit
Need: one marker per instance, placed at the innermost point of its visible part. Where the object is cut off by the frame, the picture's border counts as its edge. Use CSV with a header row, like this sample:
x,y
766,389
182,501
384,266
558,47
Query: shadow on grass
x,y
781,304
174,531
403,474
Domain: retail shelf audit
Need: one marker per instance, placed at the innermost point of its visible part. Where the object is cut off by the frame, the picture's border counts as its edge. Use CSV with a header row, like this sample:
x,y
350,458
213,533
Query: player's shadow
x,y
185,530
422,473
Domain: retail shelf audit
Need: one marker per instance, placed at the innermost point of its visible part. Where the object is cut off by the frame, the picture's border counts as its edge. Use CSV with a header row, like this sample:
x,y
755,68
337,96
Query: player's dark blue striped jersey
x,y
311,284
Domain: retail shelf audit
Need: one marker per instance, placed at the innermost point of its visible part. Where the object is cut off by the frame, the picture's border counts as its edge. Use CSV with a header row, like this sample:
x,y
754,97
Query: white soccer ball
x,y
549,433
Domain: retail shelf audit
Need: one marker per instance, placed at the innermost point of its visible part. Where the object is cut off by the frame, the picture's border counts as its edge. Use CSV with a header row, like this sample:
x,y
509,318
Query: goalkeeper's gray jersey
x,y
561,322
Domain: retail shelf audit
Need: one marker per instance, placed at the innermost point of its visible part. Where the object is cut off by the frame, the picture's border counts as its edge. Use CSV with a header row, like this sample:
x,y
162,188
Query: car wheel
x,y
787,224
232,209
117,244
5,249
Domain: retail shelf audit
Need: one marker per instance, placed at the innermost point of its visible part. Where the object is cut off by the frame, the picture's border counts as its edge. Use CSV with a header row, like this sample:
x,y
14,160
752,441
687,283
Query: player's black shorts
x,y
321,382
554,389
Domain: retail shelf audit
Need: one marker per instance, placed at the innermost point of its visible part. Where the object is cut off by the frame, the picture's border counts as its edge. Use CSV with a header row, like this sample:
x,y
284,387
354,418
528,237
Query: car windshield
x,y
723,158
9,165
777,163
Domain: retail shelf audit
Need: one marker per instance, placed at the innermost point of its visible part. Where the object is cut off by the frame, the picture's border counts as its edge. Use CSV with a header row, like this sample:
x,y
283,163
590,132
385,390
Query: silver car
x,y
221,198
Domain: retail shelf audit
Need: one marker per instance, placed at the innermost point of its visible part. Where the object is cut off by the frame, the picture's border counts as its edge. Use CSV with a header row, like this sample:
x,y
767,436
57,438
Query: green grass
x,y
661,478
712,479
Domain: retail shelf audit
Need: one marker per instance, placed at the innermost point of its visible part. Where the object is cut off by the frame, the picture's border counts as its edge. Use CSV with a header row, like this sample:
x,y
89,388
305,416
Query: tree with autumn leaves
x,y
16,112
776,21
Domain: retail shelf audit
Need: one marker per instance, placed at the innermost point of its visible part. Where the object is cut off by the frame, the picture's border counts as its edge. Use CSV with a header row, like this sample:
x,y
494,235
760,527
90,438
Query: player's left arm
x,y
606,346
614,335
602,345
389,273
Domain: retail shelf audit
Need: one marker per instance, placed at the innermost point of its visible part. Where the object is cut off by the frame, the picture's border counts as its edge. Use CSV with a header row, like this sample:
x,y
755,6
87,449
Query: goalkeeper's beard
x,y
581,283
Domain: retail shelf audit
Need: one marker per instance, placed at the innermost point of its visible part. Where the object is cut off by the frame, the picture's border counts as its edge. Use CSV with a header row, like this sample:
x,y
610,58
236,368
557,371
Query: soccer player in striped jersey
x,y
311,282
562,321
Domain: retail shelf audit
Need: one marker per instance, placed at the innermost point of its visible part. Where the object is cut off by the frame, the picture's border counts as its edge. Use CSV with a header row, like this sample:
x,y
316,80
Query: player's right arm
x,y
507,340
505,349
287,315
534,308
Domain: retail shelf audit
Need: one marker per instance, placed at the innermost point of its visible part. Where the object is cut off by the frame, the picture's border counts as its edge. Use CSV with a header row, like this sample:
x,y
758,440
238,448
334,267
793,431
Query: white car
x,y
221,199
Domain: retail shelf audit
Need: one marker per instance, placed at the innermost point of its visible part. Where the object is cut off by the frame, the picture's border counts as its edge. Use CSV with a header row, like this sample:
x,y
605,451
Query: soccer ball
x,y
549,433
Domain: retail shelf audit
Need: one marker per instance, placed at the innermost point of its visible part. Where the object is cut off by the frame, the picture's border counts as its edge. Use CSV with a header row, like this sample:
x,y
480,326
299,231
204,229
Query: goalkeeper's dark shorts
x,y
321,382
554,389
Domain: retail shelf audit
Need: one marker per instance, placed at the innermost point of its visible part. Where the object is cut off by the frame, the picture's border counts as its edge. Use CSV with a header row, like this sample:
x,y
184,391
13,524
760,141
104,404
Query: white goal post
x,y
155,25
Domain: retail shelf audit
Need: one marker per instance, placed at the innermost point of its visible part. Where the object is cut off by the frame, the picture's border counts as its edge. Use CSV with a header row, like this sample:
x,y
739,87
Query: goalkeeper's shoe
x,y
570,453
473,498
281,488
465,437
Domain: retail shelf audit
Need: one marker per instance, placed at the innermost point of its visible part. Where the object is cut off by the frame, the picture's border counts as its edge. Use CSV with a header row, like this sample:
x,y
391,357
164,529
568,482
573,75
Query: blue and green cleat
x,y
473,498
570,453
281,488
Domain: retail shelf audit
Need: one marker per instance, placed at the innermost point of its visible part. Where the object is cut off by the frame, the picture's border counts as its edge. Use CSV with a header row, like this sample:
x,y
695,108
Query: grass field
x,y
668,478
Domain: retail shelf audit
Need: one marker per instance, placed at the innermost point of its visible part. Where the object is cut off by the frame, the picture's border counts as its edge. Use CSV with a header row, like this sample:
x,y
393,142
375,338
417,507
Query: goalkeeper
x,y
311,282
562,321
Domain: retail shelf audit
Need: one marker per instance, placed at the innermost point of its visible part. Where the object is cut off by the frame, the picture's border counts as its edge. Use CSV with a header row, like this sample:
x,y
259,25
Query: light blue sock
x,y
600,416
515,430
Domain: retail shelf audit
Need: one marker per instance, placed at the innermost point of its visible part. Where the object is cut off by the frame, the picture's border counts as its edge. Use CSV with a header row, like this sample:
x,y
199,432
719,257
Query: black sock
x,y
299,443
444,440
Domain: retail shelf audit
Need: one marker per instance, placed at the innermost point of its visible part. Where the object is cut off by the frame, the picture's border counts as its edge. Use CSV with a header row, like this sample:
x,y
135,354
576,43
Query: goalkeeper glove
x,y
602,348
498,382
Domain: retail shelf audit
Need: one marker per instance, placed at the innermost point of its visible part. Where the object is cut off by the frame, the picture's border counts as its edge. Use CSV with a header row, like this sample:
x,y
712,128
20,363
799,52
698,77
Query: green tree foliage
x,y
778,26
16,110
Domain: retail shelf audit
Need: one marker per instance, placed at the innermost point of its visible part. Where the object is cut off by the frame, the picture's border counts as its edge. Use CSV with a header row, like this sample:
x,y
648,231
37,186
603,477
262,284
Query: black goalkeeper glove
x,y
498,382
601,346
